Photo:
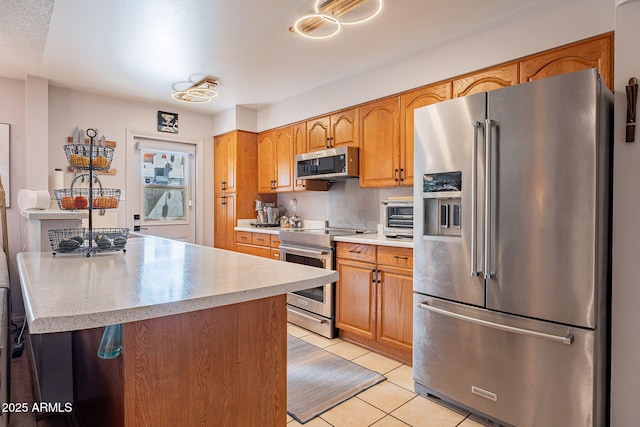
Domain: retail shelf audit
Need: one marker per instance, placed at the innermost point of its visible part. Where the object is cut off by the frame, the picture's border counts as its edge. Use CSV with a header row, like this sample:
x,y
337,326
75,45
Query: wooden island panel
x,y
223,366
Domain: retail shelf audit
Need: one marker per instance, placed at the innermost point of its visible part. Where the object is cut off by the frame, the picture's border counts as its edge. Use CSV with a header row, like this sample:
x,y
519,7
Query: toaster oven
x,y
397,217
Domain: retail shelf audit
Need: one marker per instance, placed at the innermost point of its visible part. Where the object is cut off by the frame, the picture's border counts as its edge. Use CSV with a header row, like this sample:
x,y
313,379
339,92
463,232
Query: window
x,y
165,178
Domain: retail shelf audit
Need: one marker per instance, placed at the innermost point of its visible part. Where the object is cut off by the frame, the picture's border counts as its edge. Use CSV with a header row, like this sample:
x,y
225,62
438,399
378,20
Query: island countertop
x,y
156,277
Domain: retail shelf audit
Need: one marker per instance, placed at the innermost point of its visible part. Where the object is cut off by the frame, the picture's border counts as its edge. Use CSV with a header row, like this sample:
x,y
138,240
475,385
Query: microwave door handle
x,y
474,201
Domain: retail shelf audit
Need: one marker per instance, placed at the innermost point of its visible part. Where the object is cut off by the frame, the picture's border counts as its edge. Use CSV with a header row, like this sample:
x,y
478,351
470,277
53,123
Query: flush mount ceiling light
x,y
330,15
350,12
199,92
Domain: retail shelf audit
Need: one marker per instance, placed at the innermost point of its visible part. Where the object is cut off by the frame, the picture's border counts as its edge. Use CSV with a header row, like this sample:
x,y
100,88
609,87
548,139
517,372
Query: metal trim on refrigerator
x,y
566,339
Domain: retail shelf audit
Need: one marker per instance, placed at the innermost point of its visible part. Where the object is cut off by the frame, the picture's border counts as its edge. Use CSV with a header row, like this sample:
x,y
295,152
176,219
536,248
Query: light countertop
x,y
368,239
155,277
375,239
245,225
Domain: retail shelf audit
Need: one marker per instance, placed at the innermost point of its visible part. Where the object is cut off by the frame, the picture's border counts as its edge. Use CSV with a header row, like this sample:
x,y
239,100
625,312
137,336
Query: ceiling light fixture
x,y
197,93
343,8
330,15
306,25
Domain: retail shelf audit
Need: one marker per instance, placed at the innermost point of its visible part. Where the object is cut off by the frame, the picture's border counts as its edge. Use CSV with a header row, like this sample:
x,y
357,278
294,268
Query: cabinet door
x,y
318,134
355,298
266,162
408,103
379,143
283,140
594,52
300,147
487,80
344,129
395,308
224,162
224,222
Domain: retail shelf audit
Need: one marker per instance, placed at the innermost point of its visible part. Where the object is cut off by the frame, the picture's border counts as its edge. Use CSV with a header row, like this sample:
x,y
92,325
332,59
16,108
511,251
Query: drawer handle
x,y
406,258
353,251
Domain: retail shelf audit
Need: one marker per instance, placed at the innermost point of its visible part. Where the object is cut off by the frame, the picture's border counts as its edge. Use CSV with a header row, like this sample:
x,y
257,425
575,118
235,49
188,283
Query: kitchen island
x,y
204,331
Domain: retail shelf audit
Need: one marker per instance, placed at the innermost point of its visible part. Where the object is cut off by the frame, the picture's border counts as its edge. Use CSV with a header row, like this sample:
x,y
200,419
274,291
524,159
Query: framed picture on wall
x,y
4,161
167,122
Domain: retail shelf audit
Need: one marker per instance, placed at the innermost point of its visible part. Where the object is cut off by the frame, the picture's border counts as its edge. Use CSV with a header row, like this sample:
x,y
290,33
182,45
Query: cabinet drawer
x,y
275,241
261,239
243,236
356,251
395,257
254,250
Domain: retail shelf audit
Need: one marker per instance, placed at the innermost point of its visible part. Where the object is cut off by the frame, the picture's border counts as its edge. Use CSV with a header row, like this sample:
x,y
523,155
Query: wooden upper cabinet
x,y
408,103
224,162
266,162
284,158
336,130
486,80
318,133
344,129
275,160
596,52
379,143
300,147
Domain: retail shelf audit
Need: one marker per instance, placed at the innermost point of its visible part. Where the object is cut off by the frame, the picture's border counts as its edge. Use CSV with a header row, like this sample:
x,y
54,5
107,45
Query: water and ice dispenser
x,y
442,203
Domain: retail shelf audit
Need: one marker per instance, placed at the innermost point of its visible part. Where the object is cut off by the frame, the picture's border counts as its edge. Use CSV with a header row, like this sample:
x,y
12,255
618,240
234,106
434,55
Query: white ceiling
x,y
139,49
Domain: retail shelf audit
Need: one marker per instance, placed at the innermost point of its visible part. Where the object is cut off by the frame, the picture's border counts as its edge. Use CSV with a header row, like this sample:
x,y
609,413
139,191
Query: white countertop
x,y
375,239
245,225
367,239
43,214
155,277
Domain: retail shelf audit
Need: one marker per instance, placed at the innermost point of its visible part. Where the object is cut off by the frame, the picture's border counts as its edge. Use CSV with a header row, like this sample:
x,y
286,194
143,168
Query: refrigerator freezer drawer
x,y
517,371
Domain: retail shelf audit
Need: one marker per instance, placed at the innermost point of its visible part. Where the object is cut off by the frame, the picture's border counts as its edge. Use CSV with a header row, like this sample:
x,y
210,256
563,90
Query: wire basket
x,y
85,241
84,156
78,198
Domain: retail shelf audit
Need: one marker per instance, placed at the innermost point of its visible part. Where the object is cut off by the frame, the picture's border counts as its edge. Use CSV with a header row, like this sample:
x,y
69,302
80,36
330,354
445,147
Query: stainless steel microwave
x,y
397,217
331,164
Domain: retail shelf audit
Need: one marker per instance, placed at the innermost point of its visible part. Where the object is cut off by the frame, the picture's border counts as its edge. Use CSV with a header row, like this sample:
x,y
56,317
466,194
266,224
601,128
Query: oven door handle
x,y
296,250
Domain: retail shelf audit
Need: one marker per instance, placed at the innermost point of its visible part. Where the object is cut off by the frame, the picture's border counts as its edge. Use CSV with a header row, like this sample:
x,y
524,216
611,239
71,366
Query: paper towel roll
x,y
56,181
29,199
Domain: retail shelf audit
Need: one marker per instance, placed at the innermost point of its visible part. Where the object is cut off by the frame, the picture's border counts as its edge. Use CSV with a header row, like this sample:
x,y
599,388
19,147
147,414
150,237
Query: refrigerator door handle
x,y
566,339
488,124
474,201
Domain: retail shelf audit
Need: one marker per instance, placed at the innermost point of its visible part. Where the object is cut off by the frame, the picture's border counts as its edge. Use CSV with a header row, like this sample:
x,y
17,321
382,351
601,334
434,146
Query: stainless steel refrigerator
x,y
511,240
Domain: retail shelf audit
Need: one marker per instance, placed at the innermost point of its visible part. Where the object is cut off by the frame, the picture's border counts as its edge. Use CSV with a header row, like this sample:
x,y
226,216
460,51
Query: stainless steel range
x,y
313,309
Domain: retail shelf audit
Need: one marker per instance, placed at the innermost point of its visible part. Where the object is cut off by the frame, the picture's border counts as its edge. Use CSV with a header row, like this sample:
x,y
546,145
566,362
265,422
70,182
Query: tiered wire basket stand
x,y
85,159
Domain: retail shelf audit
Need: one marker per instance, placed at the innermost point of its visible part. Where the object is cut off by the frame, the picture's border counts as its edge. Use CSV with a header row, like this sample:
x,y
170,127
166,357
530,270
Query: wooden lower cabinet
x,y
356,298
259,244
374,298
224,217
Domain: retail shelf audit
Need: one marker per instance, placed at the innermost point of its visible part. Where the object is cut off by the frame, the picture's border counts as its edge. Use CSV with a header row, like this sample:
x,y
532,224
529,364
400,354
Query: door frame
x,y
198,178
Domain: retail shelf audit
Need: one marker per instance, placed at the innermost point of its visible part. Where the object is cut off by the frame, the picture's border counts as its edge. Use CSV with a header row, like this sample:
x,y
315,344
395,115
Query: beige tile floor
x,y
391,403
